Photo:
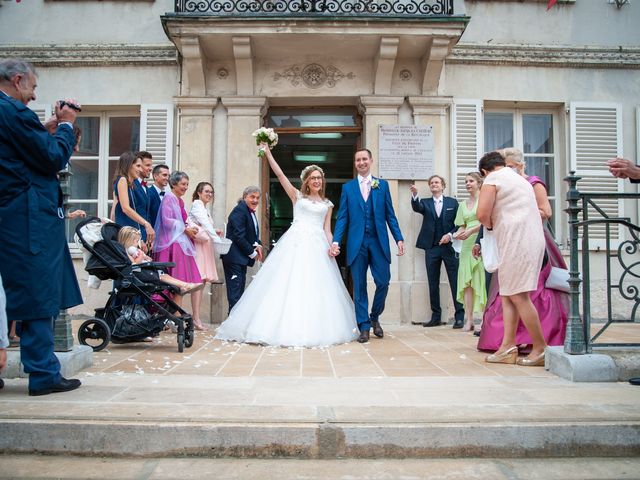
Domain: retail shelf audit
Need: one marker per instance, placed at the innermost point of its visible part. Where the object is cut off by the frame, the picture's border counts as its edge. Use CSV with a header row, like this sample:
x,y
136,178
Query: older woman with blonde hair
x,y
552,305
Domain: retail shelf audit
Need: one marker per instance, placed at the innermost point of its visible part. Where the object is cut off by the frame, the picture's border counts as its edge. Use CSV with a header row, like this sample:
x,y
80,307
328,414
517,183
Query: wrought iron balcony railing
x,y
338,8
622,264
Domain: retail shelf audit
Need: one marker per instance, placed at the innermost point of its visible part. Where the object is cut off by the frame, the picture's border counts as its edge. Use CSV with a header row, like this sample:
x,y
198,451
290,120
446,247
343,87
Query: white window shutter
x,y
43,111
467,142
596,136
156,132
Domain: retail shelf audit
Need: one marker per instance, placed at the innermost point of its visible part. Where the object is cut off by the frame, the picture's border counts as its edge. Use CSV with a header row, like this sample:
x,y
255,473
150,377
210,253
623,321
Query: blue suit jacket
x,y
241,230
154,204
351,218
36,269
427,208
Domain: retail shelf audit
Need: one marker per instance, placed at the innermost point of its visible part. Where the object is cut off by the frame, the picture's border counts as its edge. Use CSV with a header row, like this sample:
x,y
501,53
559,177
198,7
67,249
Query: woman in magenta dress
x,y
552,305
174,240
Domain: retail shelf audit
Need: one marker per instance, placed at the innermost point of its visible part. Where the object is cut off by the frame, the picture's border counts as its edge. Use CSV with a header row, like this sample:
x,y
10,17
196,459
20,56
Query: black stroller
x,y
139,305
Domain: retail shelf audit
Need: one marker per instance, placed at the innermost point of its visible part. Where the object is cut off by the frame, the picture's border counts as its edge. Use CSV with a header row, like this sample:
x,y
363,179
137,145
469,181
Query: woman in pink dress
x,y
552,305
508,210
205,259
174,240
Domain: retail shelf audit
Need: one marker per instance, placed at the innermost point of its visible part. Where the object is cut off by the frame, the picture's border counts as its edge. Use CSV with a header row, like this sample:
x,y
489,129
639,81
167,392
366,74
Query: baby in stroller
x,y
131,240
141,303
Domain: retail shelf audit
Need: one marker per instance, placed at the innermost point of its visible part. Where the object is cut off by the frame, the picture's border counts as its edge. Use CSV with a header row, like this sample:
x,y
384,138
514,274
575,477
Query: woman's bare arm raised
x,y
282,178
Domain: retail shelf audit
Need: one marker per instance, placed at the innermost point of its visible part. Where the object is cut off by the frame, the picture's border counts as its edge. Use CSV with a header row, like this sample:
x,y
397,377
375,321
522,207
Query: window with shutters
x,y
105,135
596,136
534,133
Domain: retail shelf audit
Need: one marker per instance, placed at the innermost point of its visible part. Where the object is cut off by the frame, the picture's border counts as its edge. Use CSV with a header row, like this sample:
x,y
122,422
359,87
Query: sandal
x,y
14,342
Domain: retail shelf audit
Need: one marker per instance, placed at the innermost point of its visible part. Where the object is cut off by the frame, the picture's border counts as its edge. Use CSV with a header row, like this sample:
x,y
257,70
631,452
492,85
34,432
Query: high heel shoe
x,y
508,356
191,287
532,362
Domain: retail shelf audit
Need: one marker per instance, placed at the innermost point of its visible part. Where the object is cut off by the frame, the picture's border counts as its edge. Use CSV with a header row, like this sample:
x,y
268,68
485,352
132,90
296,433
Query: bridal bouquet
x,y
266,135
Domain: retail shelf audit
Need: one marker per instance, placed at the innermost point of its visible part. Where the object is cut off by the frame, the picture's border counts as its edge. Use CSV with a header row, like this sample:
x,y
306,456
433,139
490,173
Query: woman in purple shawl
x,y
552,305
174,240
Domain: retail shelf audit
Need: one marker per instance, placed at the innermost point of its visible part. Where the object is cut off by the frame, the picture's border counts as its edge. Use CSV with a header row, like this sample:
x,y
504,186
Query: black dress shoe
x,y
377,329
364,336
476,333
432,323
65,385
1,383
458,323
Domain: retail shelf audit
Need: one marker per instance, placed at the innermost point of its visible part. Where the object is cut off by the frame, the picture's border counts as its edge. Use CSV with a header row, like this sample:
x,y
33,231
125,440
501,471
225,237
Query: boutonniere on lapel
x,y
375,183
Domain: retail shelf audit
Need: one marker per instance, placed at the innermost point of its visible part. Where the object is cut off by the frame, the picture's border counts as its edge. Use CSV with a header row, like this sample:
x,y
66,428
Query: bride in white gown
x,y
298,297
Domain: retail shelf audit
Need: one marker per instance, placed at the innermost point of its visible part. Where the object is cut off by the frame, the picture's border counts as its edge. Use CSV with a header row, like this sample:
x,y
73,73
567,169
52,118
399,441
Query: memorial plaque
x,y
405,151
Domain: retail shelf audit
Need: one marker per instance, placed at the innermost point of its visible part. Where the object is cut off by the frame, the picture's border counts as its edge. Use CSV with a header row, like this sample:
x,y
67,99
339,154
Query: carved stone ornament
x,y
223,73
313,75
405,75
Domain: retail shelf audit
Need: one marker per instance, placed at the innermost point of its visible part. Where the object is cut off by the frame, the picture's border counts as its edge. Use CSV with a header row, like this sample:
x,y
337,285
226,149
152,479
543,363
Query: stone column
x,y
244,116
195,138
195,157
383,110
430,111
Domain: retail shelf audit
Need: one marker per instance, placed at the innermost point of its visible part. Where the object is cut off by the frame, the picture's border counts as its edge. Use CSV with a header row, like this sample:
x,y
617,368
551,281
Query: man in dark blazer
x,y
157,191
36,269
243,230
435,239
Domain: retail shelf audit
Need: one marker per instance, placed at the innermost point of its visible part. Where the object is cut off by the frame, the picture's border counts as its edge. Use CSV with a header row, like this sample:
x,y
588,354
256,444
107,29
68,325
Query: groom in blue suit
x,y
364,213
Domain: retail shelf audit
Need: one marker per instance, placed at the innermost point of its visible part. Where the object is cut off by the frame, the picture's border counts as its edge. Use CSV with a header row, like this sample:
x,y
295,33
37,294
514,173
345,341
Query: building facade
x,y
191,80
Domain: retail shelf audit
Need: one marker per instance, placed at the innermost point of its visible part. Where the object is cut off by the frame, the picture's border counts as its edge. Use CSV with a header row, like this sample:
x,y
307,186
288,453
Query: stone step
x,y
421,417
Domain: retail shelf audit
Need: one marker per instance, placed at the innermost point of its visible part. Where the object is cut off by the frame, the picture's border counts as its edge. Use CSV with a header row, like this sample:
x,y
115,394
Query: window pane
x,y
84,179
310,118
90,208
498,131
124,135
541,167
113,164
90,135
538,133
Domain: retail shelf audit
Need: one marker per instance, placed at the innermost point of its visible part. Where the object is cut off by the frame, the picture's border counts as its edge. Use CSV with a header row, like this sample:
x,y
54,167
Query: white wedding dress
x,y
298,297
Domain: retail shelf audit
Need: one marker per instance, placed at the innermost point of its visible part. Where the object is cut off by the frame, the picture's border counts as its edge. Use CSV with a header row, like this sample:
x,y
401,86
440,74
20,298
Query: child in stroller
x,y
131,240
141,303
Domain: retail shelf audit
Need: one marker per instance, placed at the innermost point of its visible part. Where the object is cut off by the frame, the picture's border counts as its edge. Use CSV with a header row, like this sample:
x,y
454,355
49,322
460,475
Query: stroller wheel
x,y
180,342
94,333
189,334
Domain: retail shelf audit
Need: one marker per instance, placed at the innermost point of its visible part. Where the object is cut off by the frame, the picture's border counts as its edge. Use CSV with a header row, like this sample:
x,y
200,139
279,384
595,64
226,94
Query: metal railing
x,y
622,256
339,8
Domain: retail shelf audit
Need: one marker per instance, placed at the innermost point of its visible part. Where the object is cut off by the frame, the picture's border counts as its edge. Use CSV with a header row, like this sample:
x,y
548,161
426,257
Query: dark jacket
x,y
241,231
36,266
154,204
426,207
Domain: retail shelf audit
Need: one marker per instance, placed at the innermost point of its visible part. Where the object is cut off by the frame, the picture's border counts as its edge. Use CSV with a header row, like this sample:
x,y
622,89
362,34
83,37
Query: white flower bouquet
x,y
265,135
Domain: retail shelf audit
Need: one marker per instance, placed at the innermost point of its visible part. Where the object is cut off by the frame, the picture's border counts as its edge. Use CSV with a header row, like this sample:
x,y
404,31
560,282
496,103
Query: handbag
x,y
489,251
202,236
558,279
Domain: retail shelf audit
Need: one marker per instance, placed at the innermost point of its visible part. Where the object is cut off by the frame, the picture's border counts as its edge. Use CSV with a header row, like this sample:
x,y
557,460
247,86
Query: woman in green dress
x,y
471,277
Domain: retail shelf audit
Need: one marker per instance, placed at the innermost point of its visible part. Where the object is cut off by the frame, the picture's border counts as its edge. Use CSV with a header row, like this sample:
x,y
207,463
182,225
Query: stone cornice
x,y
545,56
92,55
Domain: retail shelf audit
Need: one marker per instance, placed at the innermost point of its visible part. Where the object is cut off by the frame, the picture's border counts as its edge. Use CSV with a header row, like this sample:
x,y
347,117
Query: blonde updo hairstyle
x,y
477,177
514,155
304,177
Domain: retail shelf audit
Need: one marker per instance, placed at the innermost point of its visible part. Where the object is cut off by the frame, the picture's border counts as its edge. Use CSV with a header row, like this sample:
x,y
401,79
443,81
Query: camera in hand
x,y
73,106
